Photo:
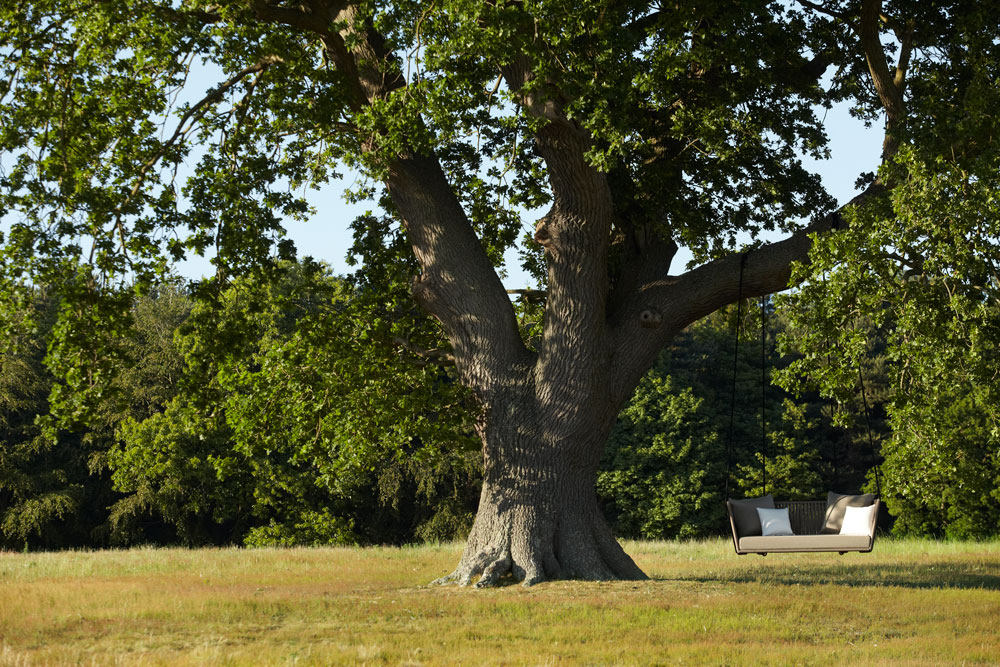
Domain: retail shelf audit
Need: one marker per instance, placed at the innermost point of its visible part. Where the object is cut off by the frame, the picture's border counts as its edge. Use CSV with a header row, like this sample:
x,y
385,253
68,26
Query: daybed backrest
x,y
806,516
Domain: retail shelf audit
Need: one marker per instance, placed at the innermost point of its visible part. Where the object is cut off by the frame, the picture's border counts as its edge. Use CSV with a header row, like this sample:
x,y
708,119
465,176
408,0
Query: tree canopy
x,y
638,127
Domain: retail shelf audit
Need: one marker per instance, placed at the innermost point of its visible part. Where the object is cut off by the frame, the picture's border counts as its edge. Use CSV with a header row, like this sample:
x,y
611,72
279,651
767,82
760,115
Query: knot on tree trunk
x,y
424,292
419,286
543,236
650,318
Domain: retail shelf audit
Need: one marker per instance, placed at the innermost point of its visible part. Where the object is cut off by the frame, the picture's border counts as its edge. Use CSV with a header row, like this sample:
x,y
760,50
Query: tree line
x,y
310,409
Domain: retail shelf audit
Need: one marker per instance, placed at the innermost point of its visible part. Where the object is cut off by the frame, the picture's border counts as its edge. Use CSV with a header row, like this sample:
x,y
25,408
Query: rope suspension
x,y
764,448
763,394
868,426
736,356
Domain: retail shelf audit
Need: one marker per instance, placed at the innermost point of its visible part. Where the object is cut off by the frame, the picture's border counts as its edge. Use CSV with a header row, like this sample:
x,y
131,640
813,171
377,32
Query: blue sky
x,y
327,237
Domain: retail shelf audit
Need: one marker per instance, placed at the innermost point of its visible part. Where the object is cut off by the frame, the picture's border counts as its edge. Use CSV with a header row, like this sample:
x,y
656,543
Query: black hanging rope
x,y
868,426
736,356
763,391
763,394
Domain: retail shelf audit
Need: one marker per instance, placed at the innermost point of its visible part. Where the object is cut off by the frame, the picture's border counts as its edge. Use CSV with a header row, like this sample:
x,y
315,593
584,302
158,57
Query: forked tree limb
x,y
675,302
660,308
575,233
458,283
888,85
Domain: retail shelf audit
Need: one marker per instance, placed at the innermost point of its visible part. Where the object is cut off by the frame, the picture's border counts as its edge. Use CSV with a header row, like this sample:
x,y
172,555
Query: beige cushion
x,y
835,506
779,543
745,514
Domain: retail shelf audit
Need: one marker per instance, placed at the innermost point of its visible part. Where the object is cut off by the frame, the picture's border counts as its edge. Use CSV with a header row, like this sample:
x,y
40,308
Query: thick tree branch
x,y
822,9
905,52
576,230
653,313
309,16
458,283
427,357
875,57
662,308
317,18
575,234
582,208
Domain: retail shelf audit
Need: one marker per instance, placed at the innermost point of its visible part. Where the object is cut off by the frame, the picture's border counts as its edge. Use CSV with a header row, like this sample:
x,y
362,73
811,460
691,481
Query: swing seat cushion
x,y
780,543
836,506
744,513
857,520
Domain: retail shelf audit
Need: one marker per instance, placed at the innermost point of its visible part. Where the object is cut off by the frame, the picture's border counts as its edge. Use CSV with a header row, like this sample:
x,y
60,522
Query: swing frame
x,y
806,518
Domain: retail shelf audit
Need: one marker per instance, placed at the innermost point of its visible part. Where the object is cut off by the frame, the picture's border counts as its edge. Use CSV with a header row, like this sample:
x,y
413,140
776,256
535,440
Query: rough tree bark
x,y
547,414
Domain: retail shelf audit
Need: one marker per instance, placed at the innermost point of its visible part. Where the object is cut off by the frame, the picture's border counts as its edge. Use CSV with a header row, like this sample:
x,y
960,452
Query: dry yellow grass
x,y
910,602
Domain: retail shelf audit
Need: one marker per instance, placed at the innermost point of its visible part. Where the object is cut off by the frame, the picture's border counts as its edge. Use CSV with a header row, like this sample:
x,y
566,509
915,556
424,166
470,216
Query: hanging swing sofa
x,y
760,525
812,525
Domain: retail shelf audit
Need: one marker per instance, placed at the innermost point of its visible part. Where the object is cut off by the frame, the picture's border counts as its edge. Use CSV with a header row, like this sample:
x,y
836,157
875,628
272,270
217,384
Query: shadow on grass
x,y
983,576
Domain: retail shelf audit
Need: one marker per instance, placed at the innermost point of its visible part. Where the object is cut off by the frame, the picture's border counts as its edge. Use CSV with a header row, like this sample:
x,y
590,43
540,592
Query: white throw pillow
x,y
774,522
857,520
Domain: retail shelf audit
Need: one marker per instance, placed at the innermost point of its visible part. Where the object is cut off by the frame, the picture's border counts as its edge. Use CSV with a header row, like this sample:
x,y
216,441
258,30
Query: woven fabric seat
x,y
806,518
791,543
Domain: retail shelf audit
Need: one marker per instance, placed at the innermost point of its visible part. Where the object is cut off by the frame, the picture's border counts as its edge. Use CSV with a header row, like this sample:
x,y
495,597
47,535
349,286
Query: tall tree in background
x,y
54,483
641,126
287,416
42,481
297,421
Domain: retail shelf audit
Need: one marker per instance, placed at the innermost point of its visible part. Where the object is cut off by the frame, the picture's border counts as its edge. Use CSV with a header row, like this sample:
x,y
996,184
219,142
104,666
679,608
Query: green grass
x,y
910,602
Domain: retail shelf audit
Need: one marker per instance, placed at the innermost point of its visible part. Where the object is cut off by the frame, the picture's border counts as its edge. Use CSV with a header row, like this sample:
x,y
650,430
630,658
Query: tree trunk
x,y
548,414
538,514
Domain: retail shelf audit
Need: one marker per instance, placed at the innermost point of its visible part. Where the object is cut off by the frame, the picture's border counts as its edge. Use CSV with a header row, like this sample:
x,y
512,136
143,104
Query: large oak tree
x,y
638,127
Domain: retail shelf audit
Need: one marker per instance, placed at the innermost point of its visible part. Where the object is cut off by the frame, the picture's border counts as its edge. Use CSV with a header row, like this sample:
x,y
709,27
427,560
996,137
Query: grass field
x,y
909,602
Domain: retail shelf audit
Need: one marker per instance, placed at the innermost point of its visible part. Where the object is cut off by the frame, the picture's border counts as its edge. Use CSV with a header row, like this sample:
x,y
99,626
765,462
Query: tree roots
x,y
515,546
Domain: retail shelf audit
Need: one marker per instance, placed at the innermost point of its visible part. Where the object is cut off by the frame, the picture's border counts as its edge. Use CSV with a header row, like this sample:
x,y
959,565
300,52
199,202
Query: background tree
x,y
42,489
641,127
55,488
933,297
298,421
920,271
661,477
177,476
